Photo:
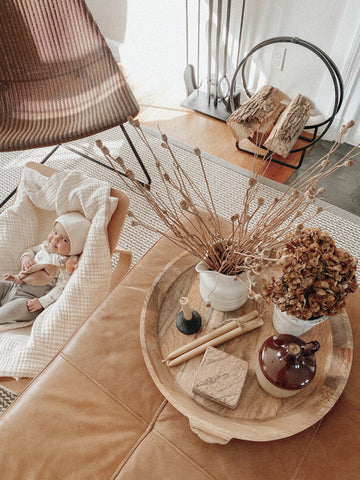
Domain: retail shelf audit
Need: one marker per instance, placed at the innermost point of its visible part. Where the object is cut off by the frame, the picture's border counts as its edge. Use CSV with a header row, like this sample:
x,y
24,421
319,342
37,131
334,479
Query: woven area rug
x,y
6,398
227,182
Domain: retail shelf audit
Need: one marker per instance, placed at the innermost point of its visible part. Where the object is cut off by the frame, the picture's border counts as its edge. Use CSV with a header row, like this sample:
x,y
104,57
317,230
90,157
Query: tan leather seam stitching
x,y
150,425
308,447
104,389
140,439
183,454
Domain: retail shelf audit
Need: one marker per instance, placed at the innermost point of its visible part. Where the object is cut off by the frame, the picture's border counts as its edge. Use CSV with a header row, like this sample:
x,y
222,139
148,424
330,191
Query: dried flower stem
x,y
256,228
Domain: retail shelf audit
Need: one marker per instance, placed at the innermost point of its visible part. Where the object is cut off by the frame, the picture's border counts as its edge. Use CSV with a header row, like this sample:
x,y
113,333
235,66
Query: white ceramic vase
x,y
284,323
224,292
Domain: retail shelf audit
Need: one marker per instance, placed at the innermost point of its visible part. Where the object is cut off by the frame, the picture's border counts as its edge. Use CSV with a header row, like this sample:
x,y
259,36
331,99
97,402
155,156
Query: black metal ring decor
x,y
335,76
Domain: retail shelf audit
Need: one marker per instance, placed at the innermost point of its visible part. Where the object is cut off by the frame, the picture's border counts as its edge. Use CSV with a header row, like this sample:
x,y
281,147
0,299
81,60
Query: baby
x,y
25,297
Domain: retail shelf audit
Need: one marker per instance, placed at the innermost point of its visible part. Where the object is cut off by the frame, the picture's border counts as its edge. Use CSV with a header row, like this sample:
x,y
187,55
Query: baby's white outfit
x,y
13,296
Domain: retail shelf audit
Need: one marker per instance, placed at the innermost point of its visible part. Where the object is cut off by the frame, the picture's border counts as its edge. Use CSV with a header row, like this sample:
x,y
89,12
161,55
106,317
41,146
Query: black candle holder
x,y
191,326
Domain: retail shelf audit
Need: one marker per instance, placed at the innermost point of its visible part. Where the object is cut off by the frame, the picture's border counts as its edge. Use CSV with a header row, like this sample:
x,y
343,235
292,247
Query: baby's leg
x,y
5,290
13,303
16,311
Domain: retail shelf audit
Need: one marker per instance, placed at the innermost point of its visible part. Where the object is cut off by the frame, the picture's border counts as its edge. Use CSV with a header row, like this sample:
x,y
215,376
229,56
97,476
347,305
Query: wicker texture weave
x,y
58,78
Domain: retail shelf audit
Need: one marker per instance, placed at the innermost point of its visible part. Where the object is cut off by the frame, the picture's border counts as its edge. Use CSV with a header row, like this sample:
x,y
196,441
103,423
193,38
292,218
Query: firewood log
x,y
258,113
289,126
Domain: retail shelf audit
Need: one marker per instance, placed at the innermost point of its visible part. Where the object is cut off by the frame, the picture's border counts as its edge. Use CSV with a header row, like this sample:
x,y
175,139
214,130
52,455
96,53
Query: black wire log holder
x,y
199,102
338,97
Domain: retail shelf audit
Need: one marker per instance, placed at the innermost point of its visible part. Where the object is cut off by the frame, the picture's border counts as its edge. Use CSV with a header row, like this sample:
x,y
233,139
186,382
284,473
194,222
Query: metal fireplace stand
x,y
338,96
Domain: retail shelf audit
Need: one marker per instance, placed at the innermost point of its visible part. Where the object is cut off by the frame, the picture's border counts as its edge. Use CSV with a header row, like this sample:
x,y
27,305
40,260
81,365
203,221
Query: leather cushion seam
x,y
103,388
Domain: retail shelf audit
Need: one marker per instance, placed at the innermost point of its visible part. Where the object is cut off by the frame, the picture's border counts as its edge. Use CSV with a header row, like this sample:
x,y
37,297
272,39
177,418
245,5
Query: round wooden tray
x,y
258,416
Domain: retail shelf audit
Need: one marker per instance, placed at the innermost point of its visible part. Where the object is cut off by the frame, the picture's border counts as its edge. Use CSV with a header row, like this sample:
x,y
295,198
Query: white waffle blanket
x,y
25,351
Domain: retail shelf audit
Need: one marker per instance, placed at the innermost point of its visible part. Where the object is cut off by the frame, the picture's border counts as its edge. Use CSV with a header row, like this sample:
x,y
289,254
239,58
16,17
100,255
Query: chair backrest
x,y
117,220
58,78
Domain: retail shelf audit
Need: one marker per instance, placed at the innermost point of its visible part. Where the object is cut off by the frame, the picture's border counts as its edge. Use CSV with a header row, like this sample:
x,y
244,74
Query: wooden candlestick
x,y
184,302
231,324
241,330
188,321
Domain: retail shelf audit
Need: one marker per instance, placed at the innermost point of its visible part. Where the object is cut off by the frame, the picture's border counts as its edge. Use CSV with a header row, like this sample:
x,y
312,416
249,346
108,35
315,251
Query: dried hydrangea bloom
x,y
316,276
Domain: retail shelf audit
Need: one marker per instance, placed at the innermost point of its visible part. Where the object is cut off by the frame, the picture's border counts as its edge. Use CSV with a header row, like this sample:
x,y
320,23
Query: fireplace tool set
x,y
215,102
222,96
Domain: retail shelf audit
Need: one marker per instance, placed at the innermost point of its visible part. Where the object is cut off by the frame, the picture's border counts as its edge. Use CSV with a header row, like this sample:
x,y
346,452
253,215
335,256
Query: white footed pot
x,y
284,323
224,292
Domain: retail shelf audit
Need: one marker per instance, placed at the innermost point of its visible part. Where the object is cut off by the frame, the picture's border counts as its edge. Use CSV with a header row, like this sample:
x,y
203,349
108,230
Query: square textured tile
x,y
220,377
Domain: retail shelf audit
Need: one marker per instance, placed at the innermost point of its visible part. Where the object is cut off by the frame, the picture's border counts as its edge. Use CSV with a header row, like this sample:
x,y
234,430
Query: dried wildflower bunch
x,y
316,276
251,243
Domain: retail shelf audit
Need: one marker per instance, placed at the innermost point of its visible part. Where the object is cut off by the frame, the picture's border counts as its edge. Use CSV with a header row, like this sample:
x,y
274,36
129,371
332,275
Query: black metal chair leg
x,y
128,139
6,199
132,146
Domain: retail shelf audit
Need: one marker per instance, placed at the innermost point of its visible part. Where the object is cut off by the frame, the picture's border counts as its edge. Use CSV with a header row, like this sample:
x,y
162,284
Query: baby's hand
x,y
27,262
33,305
70,265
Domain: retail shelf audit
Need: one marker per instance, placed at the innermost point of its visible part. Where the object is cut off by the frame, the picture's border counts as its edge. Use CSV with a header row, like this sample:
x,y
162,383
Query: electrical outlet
x,y
278,57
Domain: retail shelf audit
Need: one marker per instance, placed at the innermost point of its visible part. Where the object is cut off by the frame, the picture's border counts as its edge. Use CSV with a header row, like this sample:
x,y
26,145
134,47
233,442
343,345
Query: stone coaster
x,y
220,377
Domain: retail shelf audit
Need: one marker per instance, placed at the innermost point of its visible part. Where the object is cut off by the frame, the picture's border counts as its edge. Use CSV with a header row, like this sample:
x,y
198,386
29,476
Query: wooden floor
x,y
161,108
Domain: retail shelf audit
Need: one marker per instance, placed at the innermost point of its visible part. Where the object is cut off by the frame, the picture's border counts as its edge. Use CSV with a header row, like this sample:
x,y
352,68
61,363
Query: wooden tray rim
x,y
199,417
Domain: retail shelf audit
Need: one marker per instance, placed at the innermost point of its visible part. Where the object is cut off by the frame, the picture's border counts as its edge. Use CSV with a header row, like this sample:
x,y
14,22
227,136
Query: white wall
x,y
151,35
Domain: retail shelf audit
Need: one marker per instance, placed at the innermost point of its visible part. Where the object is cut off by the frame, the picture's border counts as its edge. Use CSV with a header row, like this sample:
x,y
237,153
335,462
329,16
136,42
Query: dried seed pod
x,y
133,122
120,161
130,174
105,150
184,204
285,259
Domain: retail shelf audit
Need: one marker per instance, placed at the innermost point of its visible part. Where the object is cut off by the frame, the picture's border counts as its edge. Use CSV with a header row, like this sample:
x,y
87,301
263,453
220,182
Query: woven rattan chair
x,y
58,79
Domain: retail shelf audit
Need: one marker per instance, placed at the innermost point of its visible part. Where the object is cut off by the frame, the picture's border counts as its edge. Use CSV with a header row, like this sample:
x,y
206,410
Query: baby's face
x,y
59,241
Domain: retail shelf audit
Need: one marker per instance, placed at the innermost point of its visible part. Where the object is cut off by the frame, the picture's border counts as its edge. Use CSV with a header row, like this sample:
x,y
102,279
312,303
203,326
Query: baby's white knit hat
x,y
77,228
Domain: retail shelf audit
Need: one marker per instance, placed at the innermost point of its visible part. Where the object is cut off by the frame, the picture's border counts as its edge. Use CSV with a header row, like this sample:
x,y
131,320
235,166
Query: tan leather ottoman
x,y
94,412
